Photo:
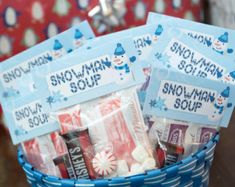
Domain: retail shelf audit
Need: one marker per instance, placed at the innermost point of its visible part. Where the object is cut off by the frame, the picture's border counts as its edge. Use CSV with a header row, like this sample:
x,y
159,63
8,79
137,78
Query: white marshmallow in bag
x,y
140,154
149,164
136,168
122,168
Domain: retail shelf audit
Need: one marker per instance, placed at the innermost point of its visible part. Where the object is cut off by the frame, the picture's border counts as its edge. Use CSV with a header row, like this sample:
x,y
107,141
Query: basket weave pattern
x,y
193,171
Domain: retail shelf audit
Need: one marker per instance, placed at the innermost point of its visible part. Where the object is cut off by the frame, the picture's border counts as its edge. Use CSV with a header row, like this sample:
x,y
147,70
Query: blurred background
x,y
24,23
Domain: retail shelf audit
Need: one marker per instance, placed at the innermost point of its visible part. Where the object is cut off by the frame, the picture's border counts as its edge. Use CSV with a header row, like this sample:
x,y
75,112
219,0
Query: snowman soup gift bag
x,y
190,52
185,111
91,100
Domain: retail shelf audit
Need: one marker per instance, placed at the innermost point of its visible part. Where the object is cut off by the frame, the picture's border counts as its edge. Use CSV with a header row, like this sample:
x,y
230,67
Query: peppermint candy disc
x,y
104,163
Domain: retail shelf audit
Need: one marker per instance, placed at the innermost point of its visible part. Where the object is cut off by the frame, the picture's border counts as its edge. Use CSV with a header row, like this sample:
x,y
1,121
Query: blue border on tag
x,y
55,100
19,134
194,56
203,33
156,106
51,101
19,67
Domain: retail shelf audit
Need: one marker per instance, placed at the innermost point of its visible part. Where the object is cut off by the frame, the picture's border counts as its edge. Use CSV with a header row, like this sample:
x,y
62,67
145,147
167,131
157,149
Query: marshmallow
x,y
148,164
139,154
136,169
104,163
112,175
122,168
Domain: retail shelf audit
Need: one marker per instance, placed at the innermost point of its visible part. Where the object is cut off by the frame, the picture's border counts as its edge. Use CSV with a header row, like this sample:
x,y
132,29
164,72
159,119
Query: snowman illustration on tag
x,y
220,45
144,43
229,78
220,103
79,39
121,64
157,33
58,50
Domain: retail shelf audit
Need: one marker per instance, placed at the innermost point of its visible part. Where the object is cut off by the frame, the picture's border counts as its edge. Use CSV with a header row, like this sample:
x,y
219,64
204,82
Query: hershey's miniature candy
x,y
173,148
59,161
76,154
168,153
122,168
136,168
140,154
149,163
104,163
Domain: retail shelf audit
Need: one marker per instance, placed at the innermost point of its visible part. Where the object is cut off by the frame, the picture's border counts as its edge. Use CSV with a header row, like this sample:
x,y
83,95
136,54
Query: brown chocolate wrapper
x,y
65,166
81,153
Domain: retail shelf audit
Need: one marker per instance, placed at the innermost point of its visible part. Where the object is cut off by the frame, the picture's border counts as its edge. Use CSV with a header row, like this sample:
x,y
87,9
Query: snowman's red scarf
x,y
124,67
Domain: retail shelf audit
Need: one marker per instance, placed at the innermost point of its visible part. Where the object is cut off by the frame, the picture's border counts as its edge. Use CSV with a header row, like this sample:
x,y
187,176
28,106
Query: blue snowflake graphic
x,y
56,97
152,103
50,100
158,104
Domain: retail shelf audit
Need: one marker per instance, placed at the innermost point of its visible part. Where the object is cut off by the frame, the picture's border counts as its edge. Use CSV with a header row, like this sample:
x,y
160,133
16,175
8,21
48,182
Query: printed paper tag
x,y
178,96
181,53
85,76
73,79
144,39
28,120
218,40
16,72
97,72
189,61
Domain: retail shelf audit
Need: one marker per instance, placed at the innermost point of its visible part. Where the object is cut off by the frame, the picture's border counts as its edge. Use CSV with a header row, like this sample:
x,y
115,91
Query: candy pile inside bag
x,y
117,105
105,137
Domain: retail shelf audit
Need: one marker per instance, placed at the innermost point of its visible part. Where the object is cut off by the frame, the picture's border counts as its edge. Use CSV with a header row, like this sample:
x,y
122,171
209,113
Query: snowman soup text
x,y
81,77
191,62
26,67
186,98
31,116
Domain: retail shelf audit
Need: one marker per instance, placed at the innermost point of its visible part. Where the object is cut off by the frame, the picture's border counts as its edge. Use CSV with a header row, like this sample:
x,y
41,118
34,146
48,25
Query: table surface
x,y
222,171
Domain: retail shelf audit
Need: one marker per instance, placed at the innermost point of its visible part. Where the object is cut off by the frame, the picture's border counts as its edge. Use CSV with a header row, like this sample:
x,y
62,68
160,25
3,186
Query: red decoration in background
x,y
25,23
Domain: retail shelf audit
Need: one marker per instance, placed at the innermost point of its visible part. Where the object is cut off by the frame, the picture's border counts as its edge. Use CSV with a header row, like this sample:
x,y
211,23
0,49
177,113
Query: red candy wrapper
x,y
175,140
69,119
40,153
25,23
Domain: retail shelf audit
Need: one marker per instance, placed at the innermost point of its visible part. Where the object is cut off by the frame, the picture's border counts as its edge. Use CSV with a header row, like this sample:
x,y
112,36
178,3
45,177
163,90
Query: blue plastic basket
x,y
192,171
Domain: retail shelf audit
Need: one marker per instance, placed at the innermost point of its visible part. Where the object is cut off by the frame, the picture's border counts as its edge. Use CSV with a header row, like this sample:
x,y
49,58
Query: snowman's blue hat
x,y
119,50
78,34
225,93
224,38
159,30
232,74
57,45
